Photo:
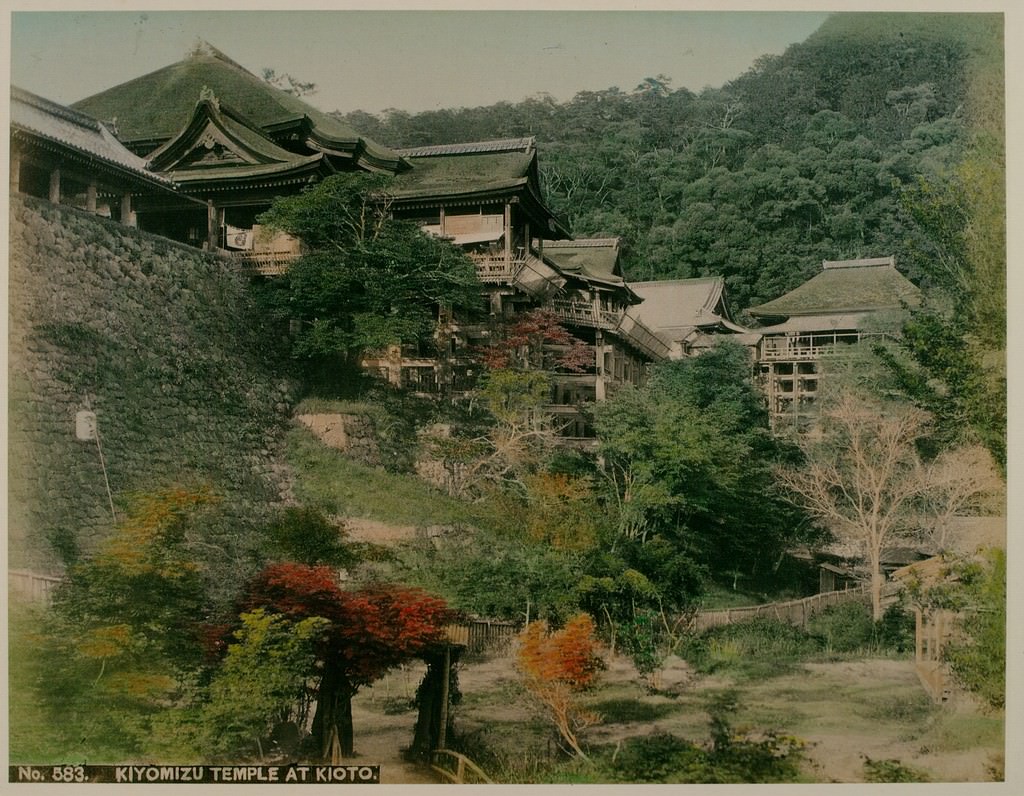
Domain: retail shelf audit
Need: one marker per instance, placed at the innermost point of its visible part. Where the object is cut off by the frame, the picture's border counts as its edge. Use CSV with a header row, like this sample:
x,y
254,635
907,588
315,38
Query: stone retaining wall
x,y
163,343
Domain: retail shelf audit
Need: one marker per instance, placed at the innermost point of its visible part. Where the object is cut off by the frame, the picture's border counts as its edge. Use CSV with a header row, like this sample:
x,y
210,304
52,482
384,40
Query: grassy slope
x,y
325,477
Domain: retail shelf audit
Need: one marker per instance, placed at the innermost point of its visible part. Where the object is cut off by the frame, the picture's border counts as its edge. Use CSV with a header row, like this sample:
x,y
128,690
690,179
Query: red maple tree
x,y
537,340
371,630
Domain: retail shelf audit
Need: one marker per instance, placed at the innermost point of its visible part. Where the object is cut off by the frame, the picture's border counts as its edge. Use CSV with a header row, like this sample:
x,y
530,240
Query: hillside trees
x,y
689,462
366,280
952,360
800,159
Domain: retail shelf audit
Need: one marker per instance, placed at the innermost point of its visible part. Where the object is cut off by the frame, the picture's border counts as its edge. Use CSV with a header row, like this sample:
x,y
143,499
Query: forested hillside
x,y
814,154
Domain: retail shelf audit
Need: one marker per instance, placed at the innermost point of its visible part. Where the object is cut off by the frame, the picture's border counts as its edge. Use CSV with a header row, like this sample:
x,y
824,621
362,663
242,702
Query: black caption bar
x,y
207,775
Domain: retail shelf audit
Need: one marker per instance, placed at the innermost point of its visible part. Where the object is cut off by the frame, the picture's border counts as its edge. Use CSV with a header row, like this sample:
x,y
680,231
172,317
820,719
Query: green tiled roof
x,y
463,174
254,155
844,287
477,171
155,107
593,257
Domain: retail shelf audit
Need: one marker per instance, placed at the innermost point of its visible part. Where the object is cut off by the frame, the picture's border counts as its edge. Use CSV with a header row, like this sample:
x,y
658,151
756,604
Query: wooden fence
x,y
796,612
479,635
457,767
31,586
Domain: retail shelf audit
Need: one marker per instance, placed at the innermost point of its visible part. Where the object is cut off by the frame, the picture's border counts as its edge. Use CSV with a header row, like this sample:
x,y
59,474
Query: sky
x,y
410,60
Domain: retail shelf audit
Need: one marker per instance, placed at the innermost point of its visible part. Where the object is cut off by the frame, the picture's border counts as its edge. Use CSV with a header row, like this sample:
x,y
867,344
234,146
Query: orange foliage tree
x,y
557,666
134,609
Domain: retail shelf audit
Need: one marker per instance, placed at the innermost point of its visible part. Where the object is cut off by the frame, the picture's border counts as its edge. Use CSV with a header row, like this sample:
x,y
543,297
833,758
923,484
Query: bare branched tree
x,y
864,479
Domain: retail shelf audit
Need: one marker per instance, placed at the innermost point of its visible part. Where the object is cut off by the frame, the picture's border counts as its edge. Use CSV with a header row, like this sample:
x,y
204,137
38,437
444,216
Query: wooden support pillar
x,y
508,234
496,304
446,674
55,186
212,230
15,172
90,197
126,210
442,221
599,385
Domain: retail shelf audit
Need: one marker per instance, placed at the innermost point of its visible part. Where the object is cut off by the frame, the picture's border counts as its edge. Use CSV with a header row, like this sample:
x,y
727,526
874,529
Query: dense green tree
x,y
689,462
307,536
952,360
366,281
261,680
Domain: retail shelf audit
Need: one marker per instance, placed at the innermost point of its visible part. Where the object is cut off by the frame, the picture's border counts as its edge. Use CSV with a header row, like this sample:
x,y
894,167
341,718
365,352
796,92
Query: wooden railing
x,y
457,768
31,586
478,635
265,263
795,612
814,346
585,314
497,268
796,352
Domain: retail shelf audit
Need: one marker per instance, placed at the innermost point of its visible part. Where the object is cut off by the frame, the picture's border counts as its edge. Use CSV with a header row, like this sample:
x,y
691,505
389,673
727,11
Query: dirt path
x,y
846,712
381,735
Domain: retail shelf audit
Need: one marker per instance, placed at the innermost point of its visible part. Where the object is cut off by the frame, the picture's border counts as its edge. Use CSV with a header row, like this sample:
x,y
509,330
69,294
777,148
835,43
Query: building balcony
x,y
498,269
263,263
785,352
581,313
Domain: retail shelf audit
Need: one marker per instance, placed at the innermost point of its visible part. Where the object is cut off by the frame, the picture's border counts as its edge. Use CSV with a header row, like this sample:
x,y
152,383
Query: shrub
x,y
978,660
733,757
895,630
556,667
660,757
847,627
892,771
759,647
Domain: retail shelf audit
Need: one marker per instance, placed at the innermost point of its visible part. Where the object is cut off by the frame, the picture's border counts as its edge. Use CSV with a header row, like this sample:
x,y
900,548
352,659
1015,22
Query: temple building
x,y
848,302
690,315
231,140
486,198
203,147
69,158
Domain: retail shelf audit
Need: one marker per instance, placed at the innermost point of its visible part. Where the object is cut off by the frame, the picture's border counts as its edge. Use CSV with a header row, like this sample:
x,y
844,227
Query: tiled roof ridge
x,y
56,109
688,281
203,48
861,263
524,144
583,243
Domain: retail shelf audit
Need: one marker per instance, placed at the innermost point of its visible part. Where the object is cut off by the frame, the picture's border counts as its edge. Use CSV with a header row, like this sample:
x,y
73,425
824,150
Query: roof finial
x,y
206,95
200,47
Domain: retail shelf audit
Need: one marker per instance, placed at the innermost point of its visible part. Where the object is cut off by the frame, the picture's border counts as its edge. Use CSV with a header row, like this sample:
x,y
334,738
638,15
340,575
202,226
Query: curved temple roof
x,y
43,120
477,171
152,109
845,286
220,145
